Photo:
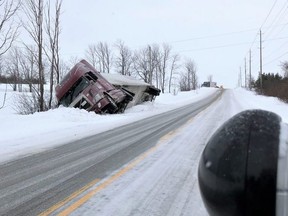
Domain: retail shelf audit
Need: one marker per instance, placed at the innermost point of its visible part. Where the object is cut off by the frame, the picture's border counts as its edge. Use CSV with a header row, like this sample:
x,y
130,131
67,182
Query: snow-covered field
x,y
165,181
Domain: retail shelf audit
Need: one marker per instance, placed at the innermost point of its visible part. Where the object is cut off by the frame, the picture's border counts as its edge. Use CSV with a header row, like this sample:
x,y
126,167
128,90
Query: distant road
x,y
31,185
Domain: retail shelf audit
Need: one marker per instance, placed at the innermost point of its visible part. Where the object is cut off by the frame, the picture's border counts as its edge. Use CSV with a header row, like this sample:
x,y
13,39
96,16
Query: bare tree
x,y
174,66
153,53
183,82
191,70
100,53
210,78
28,66
8,26
20,67
64,68
189,80
141,64
145,63
52,28
34,11
162,60
124,59
284,67
72,61
1,65
13,67
100,56
91,55
107,57
4,80
161,65
27,104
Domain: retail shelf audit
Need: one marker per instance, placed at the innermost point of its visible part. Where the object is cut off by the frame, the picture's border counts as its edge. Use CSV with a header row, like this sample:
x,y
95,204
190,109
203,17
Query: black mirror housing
x,y
238,169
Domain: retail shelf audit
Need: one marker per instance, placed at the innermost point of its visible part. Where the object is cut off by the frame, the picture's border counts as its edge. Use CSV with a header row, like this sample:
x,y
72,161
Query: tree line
x,y
39,62
275,85
154,64
41,21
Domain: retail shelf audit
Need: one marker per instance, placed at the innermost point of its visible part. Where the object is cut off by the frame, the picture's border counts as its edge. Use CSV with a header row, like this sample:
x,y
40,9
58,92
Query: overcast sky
x,y
217,35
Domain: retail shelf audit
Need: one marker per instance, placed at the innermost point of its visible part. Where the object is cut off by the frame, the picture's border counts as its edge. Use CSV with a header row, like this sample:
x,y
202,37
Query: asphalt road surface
x,y
30,185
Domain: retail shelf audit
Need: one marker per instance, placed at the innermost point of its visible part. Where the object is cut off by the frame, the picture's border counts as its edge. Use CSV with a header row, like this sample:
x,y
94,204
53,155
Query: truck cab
x,y
85,88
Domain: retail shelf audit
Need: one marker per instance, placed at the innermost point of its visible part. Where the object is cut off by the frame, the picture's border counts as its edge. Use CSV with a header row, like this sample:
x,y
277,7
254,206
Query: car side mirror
x,y
243,170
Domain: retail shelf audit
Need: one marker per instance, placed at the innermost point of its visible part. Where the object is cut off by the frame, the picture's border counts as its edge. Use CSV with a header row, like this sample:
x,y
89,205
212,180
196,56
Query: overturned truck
x,y
142,91
85,88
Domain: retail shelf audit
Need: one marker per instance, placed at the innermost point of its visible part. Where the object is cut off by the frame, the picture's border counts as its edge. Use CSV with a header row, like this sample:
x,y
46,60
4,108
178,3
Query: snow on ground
x,y
250,100
26,134
165,182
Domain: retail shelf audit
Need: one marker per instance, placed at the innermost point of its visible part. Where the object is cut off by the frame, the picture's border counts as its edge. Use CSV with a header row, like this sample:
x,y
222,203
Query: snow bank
x,y
27,134
21,135
250,100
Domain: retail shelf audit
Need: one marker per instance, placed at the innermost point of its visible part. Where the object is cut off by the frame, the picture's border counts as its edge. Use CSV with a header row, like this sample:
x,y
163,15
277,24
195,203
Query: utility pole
x,y
261,84
250,79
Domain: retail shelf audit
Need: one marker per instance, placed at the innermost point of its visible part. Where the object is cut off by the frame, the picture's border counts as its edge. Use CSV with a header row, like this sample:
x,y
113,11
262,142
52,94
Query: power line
x,y
269,13
277,49
253,42
271,29
213,36
272,45
262,25
276,58
278,17
225,34
231,45
216,47
273,39
257,34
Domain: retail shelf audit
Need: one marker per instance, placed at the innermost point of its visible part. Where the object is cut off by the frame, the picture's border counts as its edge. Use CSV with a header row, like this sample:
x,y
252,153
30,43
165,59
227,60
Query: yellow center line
x,y
107,182
68,199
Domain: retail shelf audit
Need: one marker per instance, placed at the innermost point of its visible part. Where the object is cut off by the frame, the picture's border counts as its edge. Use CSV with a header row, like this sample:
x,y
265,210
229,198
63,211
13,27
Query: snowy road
x,y
159,178
165,182
33,184
162,180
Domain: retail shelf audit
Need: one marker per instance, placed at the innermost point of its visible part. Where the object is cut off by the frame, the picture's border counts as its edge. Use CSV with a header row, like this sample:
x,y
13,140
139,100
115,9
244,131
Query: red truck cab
x,y
85,88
